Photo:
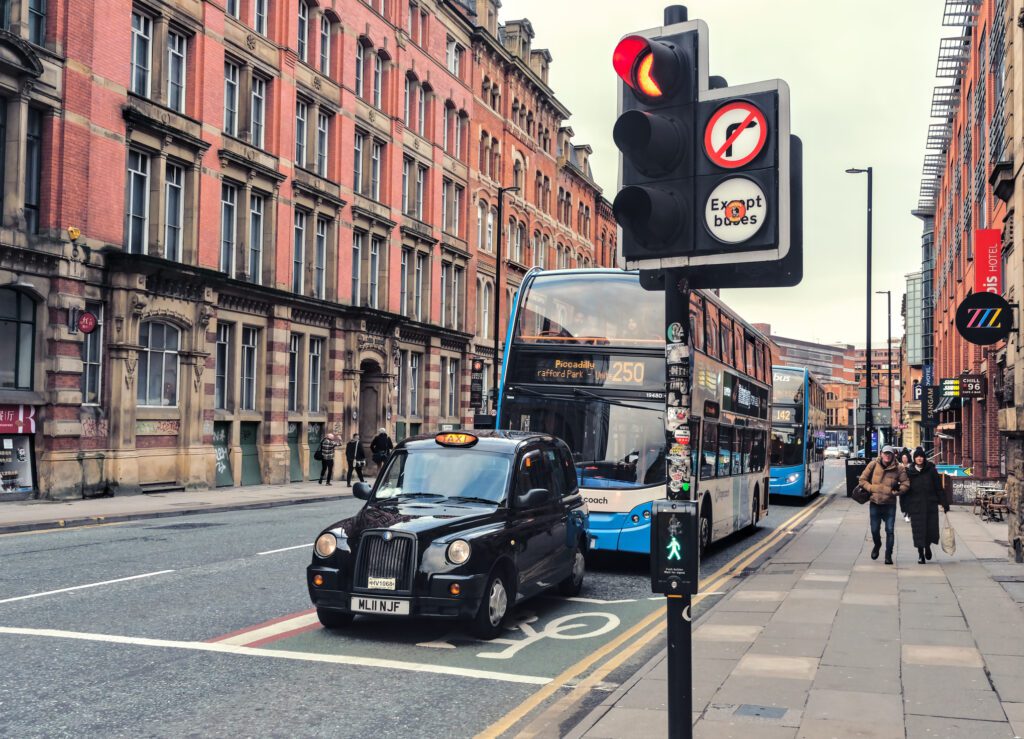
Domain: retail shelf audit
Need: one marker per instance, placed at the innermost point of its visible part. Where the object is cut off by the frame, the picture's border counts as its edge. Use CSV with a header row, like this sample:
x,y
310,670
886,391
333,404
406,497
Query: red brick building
x,y
968,145
288,226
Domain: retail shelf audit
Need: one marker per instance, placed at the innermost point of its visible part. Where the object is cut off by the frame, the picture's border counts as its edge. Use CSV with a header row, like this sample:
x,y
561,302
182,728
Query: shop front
x,y
17,461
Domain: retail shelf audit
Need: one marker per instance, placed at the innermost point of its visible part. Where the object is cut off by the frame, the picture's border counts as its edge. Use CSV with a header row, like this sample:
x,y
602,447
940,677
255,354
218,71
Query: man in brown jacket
x,y
884,478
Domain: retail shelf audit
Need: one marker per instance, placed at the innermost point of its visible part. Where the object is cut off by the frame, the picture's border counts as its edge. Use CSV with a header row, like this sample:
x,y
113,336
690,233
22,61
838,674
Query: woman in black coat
x,y
922,503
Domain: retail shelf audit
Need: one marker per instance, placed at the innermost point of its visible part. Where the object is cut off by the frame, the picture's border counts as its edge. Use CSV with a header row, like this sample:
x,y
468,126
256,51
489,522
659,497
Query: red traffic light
x,y
650,68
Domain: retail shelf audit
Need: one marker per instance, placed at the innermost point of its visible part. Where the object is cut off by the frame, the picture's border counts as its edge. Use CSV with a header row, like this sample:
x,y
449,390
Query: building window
x,y
360,68
453,387
453,57
228,228
174,196
250,343
176,51
403,284
138,202
323,132
259,111
232,8
373,272
414,384
256,206
421,185
260,16
142,53
446,276
403,380
298,252
325,44
303,29
316,352
456,300
378,79
491,215
33,169
92,357
17,330
158,364
294,347
485,311
222,370
301,112
357,179
421,275
320,266
421,111
357,266
520,237
231,98
37,22
406,171
376,156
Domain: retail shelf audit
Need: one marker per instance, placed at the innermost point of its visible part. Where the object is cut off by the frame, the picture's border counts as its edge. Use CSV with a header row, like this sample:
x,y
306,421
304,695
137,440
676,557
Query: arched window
x,y
481,216
520,238
486,299
378,79
517,174
492,216
158,364
17,330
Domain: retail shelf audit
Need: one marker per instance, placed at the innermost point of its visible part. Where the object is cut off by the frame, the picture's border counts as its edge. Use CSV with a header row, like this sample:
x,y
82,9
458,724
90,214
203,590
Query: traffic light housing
x,y
658,85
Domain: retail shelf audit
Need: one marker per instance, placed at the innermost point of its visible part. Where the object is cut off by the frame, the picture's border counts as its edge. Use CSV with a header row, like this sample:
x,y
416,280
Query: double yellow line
x,y
636,639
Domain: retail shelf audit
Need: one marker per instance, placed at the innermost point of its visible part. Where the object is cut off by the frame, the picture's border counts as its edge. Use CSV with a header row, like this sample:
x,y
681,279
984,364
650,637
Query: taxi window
x,y
553,469
568,469
532,472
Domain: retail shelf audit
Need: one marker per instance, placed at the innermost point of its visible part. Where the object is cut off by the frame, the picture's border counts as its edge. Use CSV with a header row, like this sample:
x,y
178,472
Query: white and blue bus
x,y
798,432
585,361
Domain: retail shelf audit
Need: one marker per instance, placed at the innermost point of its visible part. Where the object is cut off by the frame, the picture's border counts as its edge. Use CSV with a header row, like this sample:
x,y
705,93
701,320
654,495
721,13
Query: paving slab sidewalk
x,y
823,642
34,515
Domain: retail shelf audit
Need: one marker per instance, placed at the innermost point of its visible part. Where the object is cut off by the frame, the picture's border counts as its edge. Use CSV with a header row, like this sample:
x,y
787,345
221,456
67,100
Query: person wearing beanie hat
x,y
922,503
381,447
885,478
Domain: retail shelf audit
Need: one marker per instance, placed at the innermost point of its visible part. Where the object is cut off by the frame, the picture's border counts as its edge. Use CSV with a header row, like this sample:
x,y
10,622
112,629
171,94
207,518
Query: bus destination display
x,y
609,371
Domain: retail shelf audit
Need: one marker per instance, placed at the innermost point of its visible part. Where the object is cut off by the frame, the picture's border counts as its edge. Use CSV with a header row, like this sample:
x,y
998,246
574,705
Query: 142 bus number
x,y
626,372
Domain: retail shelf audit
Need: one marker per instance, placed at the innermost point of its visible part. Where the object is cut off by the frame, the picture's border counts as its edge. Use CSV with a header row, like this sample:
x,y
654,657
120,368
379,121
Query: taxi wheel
x,y
334,619
489,621
572,585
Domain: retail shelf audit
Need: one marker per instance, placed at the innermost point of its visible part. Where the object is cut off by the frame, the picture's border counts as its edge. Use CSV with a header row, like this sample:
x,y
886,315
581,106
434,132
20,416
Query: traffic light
x,y
657,102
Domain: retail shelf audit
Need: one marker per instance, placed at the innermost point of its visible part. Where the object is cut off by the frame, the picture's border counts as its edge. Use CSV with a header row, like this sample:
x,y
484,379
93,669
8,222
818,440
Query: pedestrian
x,y
906,461
885,479
922,502
327,446
381,447
355,457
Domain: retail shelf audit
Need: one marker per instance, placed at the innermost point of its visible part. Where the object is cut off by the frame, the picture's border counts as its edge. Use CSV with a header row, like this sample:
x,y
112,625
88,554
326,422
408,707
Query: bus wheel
x,y
704,535
755,512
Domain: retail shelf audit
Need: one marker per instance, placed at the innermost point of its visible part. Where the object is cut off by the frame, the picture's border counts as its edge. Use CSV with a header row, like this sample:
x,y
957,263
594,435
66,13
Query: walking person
x,y
922,504
381,447
885,479
355,457
327,446
906,461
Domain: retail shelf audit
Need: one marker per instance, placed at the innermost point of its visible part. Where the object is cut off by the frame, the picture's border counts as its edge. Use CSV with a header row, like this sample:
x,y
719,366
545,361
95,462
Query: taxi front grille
x,y
381,562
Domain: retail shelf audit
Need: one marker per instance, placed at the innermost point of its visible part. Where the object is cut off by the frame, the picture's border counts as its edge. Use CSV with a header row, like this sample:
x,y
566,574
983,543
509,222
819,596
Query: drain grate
x,y
748,709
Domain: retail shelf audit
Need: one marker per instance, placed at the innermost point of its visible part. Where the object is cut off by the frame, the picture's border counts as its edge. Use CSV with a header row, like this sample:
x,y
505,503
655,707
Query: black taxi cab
x,y
457,525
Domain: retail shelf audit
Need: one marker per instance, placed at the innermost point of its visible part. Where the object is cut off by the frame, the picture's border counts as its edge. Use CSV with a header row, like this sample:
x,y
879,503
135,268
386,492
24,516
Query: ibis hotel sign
x,y
988,261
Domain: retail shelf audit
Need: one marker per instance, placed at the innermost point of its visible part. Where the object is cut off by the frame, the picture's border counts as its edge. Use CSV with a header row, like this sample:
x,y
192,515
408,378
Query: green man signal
x,y
674,549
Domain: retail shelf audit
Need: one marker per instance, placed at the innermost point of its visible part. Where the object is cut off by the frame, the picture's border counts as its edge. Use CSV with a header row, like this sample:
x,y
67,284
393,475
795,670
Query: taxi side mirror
x,y
362,490
533,498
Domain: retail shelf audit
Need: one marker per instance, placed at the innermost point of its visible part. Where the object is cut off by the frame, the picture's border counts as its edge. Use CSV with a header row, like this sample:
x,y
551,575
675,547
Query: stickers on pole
x,y
735,210
735,135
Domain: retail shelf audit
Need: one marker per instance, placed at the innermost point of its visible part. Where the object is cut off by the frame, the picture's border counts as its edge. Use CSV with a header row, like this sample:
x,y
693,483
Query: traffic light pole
x,y
680,477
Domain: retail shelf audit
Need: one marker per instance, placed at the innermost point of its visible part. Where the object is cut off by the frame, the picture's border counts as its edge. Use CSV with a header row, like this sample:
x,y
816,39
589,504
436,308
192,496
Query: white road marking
x,y
82,587
339,659
598,601
286,549
281,627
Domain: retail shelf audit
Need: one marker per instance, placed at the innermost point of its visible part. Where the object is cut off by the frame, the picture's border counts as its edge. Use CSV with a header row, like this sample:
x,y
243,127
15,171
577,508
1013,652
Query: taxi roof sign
x,y
452,438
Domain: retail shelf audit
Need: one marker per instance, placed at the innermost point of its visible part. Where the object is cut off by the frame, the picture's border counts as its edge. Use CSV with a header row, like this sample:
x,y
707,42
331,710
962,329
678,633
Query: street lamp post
x,y
869,420
497,292
892,405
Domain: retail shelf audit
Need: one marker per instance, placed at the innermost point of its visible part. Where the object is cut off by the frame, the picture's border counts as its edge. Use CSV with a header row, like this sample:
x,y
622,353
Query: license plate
x,y
380,583
387,606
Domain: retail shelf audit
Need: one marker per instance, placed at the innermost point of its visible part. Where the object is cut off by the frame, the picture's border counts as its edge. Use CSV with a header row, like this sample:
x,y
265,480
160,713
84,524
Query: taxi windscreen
x,y
465,474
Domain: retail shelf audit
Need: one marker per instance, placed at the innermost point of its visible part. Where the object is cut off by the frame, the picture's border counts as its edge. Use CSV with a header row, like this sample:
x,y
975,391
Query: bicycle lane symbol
x,y
568,627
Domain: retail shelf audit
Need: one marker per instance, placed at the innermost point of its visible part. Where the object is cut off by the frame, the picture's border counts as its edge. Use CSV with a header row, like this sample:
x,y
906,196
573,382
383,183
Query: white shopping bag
x,y
948,537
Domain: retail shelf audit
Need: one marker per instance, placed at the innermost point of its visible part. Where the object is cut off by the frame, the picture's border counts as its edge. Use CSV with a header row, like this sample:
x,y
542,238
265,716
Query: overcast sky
x,y
861,76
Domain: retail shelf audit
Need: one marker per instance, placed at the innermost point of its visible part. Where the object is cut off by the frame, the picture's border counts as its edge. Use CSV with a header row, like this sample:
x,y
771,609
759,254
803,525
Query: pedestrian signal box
x,y
675,564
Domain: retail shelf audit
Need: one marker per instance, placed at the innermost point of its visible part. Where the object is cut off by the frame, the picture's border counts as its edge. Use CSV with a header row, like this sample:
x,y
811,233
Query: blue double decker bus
x,y
798,432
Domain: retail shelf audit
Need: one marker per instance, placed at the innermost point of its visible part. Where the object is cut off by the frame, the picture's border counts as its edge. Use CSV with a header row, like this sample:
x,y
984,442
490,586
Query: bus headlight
x,y
793,478
458,552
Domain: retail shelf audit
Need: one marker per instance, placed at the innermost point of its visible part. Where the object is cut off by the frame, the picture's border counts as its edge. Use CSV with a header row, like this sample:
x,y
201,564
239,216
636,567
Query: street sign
x,y
984,318
735,134
880,417
929,400
988,260
964,386
735,210
918,387
476,384
862,396
87,322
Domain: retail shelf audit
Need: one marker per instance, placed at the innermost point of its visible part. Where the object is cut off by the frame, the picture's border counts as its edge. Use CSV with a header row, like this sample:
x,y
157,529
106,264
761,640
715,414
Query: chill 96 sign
x,y
984,318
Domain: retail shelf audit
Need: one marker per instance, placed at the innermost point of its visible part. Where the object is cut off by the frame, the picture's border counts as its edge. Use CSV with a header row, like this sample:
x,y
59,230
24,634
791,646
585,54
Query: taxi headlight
x,y
325,545
458,552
